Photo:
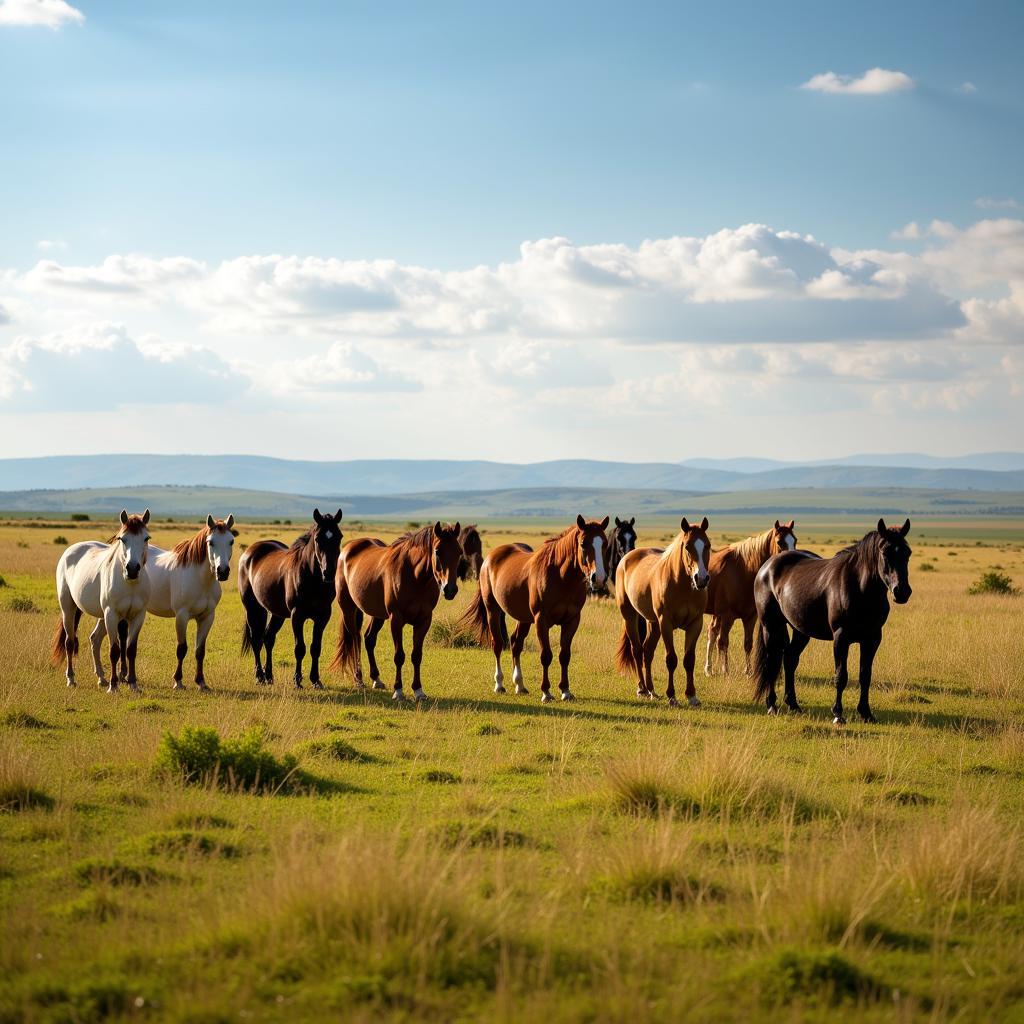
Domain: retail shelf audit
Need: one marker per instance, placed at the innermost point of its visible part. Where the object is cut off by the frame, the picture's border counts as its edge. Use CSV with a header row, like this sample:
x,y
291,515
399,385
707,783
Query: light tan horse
x,y
731,591
544,588
659,591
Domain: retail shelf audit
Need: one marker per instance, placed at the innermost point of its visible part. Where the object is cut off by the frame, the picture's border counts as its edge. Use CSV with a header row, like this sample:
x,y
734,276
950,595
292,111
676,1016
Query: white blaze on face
x,y
790,542
702,569
220,549
599,560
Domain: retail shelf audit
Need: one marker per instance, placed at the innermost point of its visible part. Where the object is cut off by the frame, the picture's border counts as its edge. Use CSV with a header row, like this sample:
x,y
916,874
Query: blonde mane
x,y
193,550
754,551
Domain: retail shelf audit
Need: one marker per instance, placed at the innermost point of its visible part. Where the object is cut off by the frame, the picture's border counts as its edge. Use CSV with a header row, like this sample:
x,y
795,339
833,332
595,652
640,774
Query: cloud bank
x,y
46,13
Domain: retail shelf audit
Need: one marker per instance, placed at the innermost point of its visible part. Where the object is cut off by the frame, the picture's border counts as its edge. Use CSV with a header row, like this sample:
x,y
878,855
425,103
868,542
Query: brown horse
x,y
844,599
294,583
659,591
401,583
472,552
544,588
731,590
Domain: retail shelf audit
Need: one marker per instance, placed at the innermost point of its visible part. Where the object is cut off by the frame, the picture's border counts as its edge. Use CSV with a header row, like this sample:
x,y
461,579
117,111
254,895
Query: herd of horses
x,y
784,597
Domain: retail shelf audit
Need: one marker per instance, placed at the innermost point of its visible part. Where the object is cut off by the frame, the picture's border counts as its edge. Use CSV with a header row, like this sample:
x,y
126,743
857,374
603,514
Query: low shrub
x,y
79,517
60,539
823,976
22,604
993,582
451,633
338,750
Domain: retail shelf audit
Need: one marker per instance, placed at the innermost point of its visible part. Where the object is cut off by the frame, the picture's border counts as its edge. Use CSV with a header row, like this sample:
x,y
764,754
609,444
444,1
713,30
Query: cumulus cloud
x,y
873,82
116,275
100,366
968,88
342,368
46,13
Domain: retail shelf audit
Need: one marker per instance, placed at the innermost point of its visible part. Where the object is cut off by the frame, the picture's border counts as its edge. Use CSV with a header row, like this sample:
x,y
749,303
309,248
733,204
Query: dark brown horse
x,y
398,583
843,599
294,583
731,591
472,552
544,588
621,541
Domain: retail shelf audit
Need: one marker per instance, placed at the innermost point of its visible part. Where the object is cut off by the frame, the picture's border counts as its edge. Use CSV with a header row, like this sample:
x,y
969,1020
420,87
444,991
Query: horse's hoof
x,y
520,689
71,683
693,702
567,695
378,684
498,688
112,688
316,684
398,695
545,698
178,685
868,719
418,695
773,710
839,720
203,688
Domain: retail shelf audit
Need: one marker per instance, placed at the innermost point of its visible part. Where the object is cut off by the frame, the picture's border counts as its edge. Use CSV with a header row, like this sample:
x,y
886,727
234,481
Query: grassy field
x,y
477,857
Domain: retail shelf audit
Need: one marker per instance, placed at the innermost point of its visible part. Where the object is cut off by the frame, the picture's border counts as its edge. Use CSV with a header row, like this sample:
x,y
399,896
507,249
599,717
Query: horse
x,y
110,582
400,583
472,552
659,591
185,585
843,599
731,590
544,588
620,543
294,583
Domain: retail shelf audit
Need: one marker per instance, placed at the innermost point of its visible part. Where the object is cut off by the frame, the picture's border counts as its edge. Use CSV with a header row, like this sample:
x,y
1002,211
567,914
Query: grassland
x,y
477,857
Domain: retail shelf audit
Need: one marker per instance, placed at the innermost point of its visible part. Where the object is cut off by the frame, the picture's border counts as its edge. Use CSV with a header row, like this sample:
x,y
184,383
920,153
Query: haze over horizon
x,y
334,231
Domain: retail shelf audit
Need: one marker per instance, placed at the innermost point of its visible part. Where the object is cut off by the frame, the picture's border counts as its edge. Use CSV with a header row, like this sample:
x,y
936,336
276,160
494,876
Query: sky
x,y
516,232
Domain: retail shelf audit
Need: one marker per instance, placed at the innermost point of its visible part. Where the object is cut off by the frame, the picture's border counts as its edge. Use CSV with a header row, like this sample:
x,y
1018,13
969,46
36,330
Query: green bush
x,y
60,539
993,582
79,517
338,750
21,604
927,567
822,976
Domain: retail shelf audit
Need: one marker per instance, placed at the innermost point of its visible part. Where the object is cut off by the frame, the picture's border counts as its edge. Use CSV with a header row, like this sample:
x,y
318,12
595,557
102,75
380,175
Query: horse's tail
x,y
346,651
60,641
624,657
246,639
474,619
766,660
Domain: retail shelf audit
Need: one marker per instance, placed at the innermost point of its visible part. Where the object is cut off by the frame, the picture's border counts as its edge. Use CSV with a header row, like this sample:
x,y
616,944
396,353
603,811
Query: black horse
x,y
472,552
843,599
620,543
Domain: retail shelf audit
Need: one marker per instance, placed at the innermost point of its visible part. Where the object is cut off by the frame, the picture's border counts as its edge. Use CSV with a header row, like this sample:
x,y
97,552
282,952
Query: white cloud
x,y
986,203
342,368
99,366
51,245
968,88
116,275
872,83
45,13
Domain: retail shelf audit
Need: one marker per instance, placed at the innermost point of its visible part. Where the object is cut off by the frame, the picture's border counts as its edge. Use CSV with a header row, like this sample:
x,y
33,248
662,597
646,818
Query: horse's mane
x,y
752,550
193,550
419,540
134,525
553,549
861,547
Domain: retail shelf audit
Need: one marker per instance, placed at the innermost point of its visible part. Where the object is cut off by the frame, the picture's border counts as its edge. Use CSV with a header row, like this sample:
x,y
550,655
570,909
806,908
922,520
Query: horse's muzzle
x,y
901,593
223,572
598,582
131,571
701,582
450,590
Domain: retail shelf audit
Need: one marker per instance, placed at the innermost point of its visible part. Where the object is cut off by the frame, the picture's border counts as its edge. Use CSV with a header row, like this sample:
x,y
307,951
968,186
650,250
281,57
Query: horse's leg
x,y
181,621
298,622
496,627
419,633
790,661
122,635
396,636
203,626
110,621
868,649
70,614
316,642
519,635
631,624
722,640
256,623
775,637
96,642
132,631
269,638
650,648
690,659
748,642
568,631
841,650
671,660
546,657
370,637
713,628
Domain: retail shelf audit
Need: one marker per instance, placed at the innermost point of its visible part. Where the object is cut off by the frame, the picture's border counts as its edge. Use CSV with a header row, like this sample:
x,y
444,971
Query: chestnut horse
x,y
401,583
294,583
843,599
659,591
544,588
472,552
731,590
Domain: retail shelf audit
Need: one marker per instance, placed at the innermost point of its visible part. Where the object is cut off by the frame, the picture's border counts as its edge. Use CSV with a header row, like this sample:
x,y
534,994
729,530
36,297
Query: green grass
x,y
267,853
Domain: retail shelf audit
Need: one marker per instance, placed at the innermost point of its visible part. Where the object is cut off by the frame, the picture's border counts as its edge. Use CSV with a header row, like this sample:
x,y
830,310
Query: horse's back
x,y
363,565
79,575
731,585
508,574
799,582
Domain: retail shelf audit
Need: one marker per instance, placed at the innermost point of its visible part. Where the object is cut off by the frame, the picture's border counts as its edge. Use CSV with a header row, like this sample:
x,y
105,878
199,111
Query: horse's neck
x,y
565,555
675,561
754,551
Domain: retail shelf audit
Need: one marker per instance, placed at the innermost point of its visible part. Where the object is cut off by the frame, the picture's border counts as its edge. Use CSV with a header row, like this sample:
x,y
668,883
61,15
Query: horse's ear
x,y
209,521
881,527
704,523
337,518
791,524
632,521
581,522
905,528
684,525
438,529
230,521
316,516
778,525
145,517
618,521
457,528
604,523
124,517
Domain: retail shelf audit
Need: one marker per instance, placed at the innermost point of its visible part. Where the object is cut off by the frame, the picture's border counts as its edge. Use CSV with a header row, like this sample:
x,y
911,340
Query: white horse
x,y
185,585
110,582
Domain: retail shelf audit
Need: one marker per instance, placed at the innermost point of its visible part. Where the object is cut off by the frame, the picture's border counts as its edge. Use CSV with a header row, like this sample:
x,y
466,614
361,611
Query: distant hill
x,y
407,476
540,502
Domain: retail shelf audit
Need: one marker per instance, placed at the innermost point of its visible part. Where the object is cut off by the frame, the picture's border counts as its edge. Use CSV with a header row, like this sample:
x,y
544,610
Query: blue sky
x,y
442,137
